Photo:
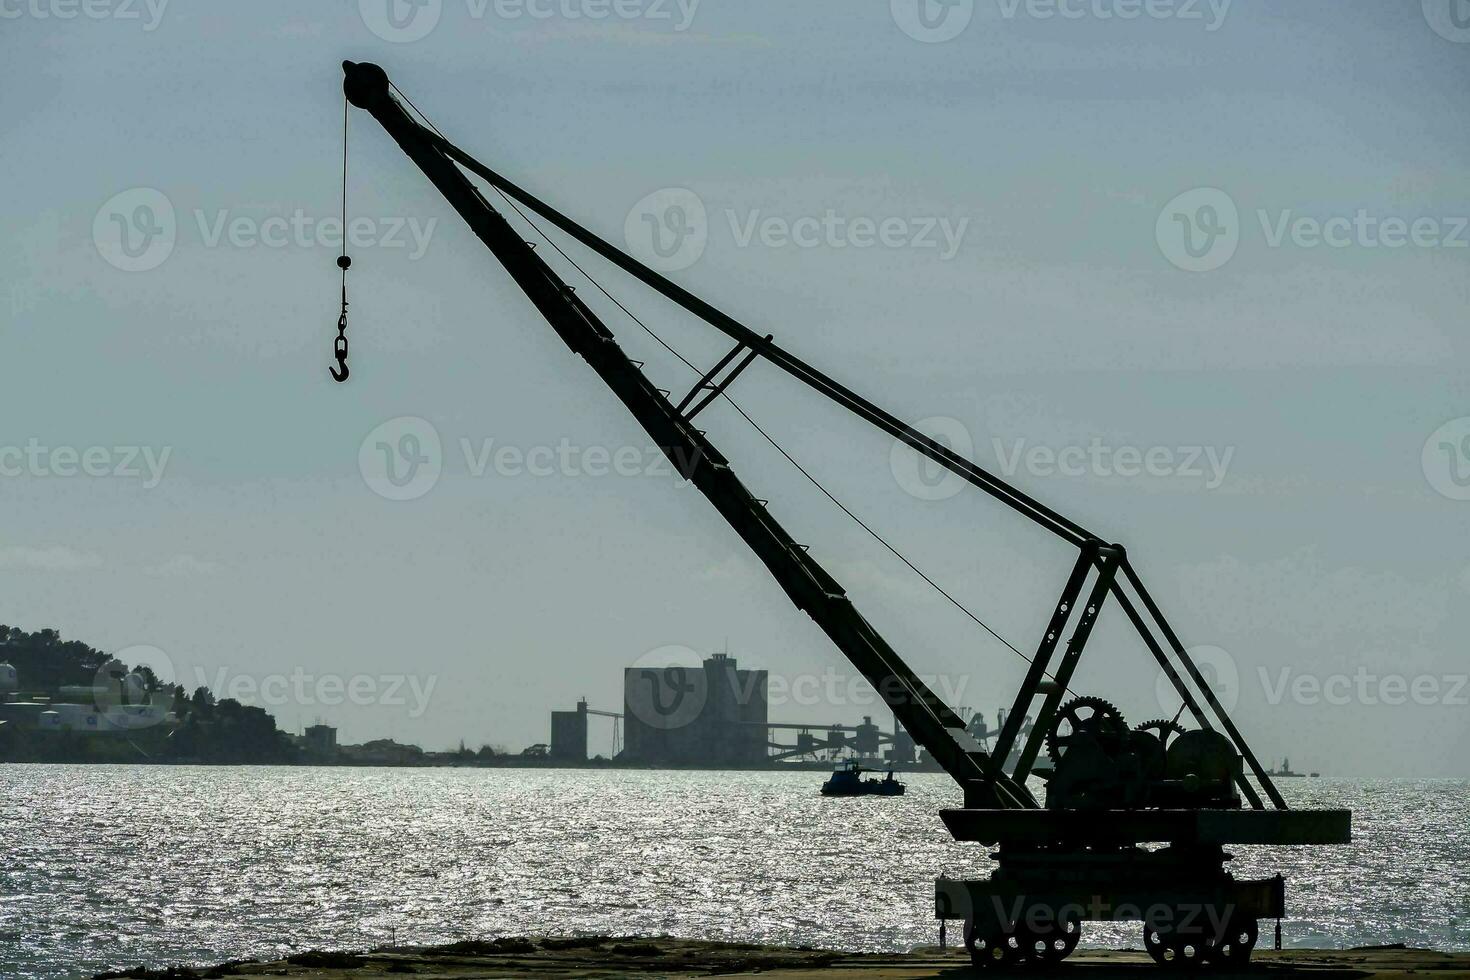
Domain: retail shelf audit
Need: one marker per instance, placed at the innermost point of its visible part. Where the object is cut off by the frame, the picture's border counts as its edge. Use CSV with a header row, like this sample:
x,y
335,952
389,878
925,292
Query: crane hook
x,y
340,372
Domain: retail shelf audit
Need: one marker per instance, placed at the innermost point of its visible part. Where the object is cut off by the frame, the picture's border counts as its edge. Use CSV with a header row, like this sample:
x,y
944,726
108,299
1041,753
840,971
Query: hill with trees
x,y
200,729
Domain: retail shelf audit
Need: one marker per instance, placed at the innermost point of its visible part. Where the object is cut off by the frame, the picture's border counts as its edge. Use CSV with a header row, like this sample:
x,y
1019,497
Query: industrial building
x,y
864,741
716,715
711,715
569,734
320,741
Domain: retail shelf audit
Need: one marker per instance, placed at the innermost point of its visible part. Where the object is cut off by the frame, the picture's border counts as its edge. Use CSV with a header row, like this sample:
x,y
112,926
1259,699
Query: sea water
x,y
106,867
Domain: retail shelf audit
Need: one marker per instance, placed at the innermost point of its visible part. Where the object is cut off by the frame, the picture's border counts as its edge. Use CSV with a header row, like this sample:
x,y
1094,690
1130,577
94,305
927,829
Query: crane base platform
x,y
1122,827
1056,869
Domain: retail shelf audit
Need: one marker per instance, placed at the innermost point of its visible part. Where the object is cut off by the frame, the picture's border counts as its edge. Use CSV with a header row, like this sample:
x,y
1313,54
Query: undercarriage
x,y
1032,908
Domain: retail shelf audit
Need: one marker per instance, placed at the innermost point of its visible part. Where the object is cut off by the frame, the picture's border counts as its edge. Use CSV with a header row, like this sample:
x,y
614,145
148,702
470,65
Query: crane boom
x,y
805,581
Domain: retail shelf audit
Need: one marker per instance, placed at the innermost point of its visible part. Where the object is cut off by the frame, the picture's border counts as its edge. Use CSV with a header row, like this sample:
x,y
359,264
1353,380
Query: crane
x,y
1110,789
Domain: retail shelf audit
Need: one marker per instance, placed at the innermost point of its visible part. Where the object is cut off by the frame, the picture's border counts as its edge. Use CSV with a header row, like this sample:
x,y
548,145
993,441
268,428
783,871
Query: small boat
x,y
847,780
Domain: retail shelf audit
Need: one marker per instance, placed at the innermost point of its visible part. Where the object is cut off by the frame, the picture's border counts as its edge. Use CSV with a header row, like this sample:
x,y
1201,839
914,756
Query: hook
x,y
339,373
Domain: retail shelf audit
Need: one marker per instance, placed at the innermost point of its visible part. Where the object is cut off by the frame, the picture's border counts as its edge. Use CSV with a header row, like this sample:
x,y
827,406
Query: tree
x,y
230,732
46,662
202,703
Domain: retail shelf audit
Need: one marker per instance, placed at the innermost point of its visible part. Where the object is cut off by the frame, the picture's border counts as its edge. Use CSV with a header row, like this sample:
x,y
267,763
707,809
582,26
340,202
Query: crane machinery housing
x,y
1081,852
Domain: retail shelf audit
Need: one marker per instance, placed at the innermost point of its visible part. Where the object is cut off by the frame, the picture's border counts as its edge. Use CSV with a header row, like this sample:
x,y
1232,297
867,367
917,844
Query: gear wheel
x,y
1162,728
1086,716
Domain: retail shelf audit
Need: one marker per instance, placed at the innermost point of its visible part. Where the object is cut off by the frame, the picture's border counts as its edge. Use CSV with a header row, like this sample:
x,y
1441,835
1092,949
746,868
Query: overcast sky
x,y
1193,273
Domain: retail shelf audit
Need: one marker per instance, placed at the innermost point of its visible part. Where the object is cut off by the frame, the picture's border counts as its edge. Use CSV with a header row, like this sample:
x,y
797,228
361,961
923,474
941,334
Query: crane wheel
x,y
994,948
1236,943
1050,945
1179,951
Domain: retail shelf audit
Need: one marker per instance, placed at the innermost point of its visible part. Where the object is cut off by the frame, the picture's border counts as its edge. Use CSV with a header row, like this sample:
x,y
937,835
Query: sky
x,y
1194,274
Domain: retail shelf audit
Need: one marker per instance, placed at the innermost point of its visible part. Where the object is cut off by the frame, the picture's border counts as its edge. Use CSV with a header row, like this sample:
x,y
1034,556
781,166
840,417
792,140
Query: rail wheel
x,y
1179,951
1153,942
1191,952
991,947
1053,943
1236,943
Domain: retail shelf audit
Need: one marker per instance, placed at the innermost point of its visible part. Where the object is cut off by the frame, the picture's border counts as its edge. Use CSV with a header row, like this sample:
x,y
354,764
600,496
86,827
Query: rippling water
x,y
111,866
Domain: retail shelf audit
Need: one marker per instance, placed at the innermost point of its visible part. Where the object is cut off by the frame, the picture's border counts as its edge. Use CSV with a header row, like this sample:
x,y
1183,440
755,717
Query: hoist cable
x,y
339,348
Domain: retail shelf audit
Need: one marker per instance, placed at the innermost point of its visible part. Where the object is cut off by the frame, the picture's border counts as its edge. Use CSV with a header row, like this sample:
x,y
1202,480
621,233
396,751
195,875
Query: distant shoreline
x,y
510,762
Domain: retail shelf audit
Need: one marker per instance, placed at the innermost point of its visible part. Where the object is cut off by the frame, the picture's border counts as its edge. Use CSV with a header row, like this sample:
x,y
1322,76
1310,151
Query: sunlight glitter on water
x,y
111,866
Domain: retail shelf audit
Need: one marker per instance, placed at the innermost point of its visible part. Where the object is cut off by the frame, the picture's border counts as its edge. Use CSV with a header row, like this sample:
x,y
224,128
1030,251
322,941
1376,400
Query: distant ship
x,y
847,780
1285,772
